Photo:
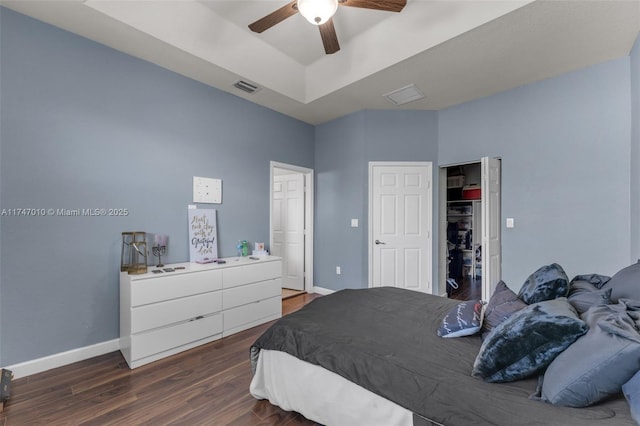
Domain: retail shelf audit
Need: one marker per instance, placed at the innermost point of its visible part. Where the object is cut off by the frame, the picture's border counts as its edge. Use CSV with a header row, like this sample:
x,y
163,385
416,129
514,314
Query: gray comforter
x,y
384,339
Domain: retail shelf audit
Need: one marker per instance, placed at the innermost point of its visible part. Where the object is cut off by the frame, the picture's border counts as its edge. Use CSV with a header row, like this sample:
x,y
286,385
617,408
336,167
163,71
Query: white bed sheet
x,y
320,395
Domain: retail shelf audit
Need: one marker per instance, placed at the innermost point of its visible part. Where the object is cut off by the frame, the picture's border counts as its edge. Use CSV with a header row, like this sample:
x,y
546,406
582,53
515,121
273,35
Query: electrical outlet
x,y
338,271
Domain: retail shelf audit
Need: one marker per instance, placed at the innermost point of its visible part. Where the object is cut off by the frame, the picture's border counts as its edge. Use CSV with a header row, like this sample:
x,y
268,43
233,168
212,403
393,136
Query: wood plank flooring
x,y
208,385
469,289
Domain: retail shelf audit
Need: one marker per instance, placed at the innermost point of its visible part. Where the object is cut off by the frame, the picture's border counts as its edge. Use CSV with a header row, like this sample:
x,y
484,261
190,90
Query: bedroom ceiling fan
x,y
319,12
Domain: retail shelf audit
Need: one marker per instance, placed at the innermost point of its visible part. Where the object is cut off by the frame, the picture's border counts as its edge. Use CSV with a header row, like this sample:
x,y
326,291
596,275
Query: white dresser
x,y
165,313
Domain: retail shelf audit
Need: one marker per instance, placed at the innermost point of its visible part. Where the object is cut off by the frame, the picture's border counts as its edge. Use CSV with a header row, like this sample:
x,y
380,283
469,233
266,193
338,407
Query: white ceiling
x,y
452,50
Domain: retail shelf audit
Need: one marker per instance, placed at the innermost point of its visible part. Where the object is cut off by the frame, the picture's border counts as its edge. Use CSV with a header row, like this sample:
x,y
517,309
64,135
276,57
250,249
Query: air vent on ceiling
x,y
247,86
404,95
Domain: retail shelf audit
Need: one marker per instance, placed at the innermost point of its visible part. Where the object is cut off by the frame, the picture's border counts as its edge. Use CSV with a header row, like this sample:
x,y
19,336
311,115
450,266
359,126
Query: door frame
x,y
308,216
442,230
372,164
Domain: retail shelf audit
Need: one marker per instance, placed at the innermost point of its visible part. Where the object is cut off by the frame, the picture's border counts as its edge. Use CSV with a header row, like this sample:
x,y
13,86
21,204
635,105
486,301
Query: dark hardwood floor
x,y
468,289
208,385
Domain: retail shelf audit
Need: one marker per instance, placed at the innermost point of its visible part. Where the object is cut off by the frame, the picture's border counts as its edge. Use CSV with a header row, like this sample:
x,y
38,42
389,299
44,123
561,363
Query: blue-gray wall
x,y
635,151
343,149
565,145
85,126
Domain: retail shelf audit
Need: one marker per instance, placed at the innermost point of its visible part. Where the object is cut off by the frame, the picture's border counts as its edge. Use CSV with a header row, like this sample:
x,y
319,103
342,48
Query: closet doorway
x,y
291,224
470,223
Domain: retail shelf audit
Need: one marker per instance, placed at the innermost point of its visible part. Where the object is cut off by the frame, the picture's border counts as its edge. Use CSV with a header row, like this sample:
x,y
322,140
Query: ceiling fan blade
x,y
275,17
387,5
329,37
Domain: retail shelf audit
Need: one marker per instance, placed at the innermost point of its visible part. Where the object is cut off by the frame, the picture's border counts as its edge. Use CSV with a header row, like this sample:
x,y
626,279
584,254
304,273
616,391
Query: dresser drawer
x,y
244,294
162,339
158,289
247,274
176,310
246,314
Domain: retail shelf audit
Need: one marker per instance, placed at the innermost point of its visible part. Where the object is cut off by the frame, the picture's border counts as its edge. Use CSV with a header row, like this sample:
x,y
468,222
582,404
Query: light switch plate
x,y
207,190
354,223
510,222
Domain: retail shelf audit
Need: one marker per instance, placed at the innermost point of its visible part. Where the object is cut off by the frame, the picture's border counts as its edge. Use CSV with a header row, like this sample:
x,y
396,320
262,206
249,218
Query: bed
x,y
372,357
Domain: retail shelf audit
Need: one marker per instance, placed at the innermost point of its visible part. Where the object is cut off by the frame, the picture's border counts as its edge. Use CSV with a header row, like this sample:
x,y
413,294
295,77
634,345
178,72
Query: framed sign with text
x,y
203,235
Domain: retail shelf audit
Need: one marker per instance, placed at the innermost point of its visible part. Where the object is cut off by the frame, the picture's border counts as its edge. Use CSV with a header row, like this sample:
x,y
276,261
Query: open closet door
x,y
491,249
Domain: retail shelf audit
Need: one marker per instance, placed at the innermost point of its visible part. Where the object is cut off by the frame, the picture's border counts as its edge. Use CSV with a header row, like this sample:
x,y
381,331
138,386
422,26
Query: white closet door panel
x,y
388,267
400,213
412,215
412,268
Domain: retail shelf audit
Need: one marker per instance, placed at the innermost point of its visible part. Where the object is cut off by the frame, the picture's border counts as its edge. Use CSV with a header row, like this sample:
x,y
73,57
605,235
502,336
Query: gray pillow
x,y
625,283
528,341
583,295
502,305
547,283
595,280
598,363
631,391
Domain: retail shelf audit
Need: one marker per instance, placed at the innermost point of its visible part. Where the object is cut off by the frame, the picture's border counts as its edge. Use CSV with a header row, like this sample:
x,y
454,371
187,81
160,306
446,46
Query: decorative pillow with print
x,y
464,319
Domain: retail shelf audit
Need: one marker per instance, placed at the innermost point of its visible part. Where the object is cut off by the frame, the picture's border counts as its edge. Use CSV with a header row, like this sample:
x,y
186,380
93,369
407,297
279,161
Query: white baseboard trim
x,y
39,365
321,290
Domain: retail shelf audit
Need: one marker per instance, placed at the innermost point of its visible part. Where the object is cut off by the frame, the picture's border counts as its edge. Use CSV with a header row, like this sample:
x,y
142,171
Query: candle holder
x,y
159,251
134,253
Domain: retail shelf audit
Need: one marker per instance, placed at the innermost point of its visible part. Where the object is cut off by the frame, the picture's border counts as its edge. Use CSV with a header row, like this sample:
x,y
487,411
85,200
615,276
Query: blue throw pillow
x,y
547,283
527,341
464,319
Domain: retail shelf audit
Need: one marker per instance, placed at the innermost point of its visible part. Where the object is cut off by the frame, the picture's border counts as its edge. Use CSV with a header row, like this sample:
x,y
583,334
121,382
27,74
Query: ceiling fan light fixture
x,y
317,11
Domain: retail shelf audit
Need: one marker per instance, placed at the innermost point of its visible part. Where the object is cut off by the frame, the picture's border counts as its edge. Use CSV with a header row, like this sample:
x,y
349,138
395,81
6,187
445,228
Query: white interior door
x,y
288,228
491,250
400,220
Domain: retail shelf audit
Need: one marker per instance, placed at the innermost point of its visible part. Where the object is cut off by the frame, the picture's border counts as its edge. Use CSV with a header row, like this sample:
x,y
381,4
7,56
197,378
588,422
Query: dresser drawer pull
x,y
199,317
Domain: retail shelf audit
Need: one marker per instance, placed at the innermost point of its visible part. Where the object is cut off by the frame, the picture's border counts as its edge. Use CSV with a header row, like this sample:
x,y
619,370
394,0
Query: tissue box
x,y
260,253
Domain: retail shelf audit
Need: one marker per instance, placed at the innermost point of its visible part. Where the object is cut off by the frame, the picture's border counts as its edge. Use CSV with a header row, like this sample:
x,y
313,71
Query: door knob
x,y
379,242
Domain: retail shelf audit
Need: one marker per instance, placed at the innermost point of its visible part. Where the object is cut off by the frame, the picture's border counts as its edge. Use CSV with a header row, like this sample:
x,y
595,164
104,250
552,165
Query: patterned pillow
x,y
464,319
502,305
527,341
547,283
